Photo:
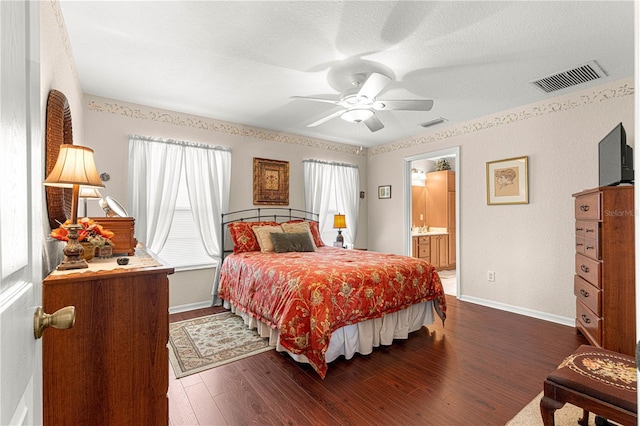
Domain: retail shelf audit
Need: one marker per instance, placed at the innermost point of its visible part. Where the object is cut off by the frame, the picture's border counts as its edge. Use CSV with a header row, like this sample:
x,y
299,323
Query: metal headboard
x,y
275,214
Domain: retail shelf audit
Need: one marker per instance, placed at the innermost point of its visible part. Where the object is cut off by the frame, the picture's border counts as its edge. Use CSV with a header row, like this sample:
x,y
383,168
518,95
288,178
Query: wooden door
x,y
451,220
436,185
418,206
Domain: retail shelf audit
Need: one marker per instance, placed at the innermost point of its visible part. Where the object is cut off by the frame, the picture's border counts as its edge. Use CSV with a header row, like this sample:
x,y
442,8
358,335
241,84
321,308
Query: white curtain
x,y
154,172
208,181
154,175
332,184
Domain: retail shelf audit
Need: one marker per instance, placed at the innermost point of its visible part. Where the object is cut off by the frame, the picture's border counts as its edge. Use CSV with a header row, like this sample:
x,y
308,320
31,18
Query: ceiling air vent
x,y
433,122
572,77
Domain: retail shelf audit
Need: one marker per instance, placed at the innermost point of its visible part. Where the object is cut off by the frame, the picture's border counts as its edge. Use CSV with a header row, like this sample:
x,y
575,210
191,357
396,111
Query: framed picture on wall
x,y
270,182
384,191
507,181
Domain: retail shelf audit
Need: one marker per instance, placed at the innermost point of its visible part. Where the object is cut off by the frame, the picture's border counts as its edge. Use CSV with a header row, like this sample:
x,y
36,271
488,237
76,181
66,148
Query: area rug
x,y
567,415
207,342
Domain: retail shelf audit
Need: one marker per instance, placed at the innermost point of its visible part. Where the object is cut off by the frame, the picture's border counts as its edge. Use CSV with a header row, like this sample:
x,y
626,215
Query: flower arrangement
x,y
91,232
443,164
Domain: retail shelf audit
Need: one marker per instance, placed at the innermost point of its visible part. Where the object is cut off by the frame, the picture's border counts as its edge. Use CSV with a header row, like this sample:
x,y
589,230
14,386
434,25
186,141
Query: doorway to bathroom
x,y
431,211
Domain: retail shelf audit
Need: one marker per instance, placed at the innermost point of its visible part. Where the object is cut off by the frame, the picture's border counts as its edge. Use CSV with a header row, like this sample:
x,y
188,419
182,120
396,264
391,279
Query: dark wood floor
x,y
481,369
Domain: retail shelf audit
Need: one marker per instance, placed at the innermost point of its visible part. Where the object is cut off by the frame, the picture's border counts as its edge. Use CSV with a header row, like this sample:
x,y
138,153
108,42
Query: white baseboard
x,y
190,306
522,311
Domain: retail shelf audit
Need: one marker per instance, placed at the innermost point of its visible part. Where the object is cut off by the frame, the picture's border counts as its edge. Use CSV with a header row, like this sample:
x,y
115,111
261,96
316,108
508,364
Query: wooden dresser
x,y
604,283
112,367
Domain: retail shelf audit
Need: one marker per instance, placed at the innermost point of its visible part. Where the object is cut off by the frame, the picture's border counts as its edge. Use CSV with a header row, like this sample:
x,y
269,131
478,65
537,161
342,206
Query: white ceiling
x,y
241,61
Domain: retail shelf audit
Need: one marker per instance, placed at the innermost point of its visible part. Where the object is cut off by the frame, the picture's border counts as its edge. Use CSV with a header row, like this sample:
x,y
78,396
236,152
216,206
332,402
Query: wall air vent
x,y
569,78
433,122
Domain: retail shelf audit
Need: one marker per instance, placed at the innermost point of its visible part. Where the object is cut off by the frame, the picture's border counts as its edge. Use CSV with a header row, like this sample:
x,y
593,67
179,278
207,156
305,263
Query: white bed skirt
x,y
357,338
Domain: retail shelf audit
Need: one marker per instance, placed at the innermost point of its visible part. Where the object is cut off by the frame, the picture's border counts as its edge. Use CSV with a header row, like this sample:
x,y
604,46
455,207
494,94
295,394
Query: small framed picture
x,y
507,181
384,191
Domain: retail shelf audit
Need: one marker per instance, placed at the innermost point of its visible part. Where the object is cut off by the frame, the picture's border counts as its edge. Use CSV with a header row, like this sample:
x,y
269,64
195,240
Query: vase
x,y
89,250
104,252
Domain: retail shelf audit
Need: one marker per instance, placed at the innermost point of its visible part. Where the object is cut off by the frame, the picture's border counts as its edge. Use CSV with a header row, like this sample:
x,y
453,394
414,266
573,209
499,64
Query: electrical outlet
x,y
491,276
421,216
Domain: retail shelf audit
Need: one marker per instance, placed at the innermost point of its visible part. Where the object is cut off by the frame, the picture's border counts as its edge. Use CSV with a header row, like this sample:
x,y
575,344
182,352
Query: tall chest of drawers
x,y
604,283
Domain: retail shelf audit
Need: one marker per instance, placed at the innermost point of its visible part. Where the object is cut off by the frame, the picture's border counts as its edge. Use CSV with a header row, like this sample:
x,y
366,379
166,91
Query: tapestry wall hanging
x,y
270,182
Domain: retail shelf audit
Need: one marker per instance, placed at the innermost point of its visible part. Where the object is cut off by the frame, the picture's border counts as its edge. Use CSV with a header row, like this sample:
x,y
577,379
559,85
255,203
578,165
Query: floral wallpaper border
x,y
529,111
177,119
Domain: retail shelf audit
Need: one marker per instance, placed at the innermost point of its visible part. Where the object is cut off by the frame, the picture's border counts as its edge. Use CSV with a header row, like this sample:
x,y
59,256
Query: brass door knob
x,y
61,319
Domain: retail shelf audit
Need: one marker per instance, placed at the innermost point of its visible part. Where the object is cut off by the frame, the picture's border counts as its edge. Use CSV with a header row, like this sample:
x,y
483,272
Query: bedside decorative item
x,y
75,167
442,164
112,208
91,235
124,241
270,182
104,252
89,250
123,261
339,222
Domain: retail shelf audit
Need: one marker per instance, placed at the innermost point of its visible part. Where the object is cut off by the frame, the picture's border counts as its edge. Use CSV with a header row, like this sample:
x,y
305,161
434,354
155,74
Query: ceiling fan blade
x,y
311,98
406,104
327,118
374,85
373,123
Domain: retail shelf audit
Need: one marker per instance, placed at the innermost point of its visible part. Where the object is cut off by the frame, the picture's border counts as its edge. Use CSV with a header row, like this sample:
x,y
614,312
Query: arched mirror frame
x,y
59,131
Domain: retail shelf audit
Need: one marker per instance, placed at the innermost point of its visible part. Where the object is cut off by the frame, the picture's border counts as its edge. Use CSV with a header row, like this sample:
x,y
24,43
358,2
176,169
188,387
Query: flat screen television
x,y
615,158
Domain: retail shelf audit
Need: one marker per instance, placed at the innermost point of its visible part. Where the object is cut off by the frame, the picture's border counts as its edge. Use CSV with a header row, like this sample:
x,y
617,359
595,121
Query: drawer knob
x,y
578,244
589,230
584,268
584,293
579,229
586,319
584,207
590,247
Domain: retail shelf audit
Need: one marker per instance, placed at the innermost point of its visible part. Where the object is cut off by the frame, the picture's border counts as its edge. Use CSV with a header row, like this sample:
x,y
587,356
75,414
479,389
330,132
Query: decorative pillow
x,y
298,227
292,241
263,234
243,237
315,231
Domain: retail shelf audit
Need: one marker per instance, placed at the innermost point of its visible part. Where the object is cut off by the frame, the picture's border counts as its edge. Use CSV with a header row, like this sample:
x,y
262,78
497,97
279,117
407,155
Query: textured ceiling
x,y
242,61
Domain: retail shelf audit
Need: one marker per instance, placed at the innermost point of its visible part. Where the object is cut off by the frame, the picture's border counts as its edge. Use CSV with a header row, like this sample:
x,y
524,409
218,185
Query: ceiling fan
x,y
360,102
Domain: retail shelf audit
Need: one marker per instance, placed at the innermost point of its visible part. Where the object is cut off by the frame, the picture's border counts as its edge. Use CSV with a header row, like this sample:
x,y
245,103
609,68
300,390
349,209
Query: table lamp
x,y
88,192
74,167
339,222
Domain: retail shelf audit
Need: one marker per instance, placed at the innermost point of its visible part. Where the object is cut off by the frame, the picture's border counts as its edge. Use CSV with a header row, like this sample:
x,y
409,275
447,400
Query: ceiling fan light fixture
x,y
357,115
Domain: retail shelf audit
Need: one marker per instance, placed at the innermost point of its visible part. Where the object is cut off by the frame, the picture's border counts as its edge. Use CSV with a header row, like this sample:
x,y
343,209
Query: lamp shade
x,y
339,221
75,166
89,192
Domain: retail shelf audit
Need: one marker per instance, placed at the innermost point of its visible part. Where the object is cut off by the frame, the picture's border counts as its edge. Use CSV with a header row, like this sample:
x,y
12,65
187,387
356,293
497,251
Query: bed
x,y
317,302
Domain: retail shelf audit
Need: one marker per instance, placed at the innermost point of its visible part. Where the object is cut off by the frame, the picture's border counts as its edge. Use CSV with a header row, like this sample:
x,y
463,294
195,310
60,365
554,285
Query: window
x,y
177,193
183,248
331,188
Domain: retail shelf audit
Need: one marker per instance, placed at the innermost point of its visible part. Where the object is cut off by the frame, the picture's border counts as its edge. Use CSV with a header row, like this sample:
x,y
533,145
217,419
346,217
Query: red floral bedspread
x,y
309,295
